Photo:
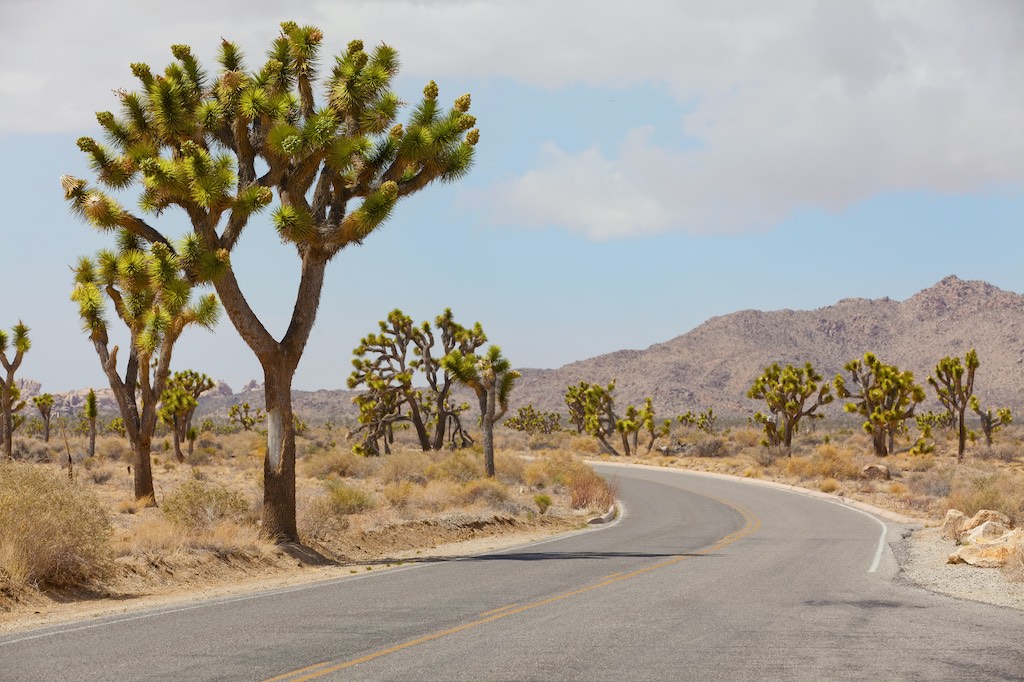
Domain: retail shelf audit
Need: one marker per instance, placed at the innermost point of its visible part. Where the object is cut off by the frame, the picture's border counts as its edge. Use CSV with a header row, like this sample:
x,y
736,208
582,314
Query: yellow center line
x,y
503,608
611,575
751,525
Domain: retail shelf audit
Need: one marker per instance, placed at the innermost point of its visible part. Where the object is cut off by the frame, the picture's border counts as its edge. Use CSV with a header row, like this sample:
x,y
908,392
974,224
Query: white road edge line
x,y
881,540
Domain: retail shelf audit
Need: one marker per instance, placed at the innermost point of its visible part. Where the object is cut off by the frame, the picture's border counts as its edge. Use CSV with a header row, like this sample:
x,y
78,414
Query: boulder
x,y
875,472
954,524
990,530
987,515
990,554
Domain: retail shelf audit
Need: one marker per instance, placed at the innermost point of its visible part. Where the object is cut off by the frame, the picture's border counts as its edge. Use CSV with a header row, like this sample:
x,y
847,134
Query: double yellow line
x,y
312,672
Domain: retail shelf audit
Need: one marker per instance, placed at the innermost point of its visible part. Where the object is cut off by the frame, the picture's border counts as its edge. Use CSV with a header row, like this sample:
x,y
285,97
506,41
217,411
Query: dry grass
x,y
829,485
199,506
52,532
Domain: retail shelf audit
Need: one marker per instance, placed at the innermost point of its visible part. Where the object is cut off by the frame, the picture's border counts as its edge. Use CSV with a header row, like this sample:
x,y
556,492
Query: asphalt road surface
x,y
702,579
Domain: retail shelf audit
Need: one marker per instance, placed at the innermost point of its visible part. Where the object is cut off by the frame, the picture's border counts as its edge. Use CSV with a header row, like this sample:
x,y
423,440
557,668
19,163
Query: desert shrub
x,y
747,438
708,446
829,485
52,532
933,483
484,490
765,456
100,476
588,490
159,536
32,450
542,501
347,499
509,468
800,467
585,445
459,466
831,461
113,447
337,462
1001,491
404,466
198,505
400,494
1003,452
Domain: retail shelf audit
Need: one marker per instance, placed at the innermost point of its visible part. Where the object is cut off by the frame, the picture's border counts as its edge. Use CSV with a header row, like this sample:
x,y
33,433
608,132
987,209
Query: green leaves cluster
x,y
791,393
529,420
885,396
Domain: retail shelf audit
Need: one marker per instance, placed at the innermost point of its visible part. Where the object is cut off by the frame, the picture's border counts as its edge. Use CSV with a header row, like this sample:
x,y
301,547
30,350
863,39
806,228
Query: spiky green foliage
x,y
390,363
953,382
225,144
885,396
791,393
528,420
704,421
19,342
151,293
990,422
178,404
492,378
44,403
245,416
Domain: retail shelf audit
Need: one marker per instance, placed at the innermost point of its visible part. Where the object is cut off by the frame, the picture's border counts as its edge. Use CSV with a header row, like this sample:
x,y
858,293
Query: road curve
x,y
703,579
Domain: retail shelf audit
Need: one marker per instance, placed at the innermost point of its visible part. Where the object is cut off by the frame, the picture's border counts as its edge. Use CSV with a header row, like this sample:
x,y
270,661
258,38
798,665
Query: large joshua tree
x,y
221,147
9,391
152,297
885,396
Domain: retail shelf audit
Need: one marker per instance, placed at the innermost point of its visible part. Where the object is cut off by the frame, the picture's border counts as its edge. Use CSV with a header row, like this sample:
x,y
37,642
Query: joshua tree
x,y
387,363
883,395
178,403
44,403
240,414
9,392
595,404
492,378
91,412
152,296
990,423
221,148
529,420
787,392
954,385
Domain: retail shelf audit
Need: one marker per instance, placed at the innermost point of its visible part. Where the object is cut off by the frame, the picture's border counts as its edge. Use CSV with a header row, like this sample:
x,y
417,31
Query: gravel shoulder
x,y
922,555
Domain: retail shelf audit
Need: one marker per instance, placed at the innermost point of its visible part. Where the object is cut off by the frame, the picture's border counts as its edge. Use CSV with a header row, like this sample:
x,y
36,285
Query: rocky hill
x,y
714,364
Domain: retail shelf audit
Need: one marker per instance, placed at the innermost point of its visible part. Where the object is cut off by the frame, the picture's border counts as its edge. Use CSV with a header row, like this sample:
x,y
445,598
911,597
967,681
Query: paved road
x,y
703,579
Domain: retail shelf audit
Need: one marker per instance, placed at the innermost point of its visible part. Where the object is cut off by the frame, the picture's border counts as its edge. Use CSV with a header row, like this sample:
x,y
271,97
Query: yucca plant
x,y
225,147
492,378
151,295
9,392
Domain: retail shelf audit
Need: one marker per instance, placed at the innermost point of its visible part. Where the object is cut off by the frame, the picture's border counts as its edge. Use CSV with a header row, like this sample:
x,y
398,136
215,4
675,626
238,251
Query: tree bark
x,y
878,440
488,426
279,520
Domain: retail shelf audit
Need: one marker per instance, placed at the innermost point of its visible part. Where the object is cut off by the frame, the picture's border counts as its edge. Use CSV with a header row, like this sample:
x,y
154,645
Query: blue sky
x,y
640,170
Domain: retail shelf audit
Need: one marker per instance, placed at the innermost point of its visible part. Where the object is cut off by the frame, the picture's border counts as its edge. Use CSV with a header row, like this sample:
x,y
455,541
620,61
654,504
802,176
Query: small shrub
x,y
348,499
198,505
747,438
930,483
52,532
400,494
898,488
343,463
829,485
834,462
100,476
752,472
765,456
404,466
1003,452
585,445
458,466
587,490
485,490
509,468
708,447
542,501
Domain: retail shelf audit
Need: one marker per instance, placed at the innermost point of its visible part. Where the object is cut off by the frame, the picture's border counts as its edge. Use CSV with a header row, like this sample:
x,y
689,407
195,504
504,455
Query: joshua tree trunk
x,y
92,436
279,465
176,429
487,421
878,440
961,435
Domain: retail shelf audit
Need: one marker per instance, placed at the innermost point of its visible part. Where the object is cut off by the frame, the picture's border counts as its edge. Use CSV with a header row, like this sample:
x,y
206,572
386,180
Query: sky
x,y
642,166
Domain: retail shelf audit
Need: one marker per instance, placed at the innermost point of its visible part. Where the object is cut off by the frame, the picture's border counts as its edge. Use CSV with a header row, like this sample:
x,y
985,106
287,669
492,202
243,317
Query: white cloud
x,y
794,102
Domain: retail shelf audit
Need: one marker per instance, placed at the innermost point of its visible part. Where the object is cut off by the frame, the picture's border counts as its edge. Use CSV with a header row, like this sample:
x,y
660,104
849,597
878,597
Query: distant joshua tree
x,y
791,393
954,385
9,392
